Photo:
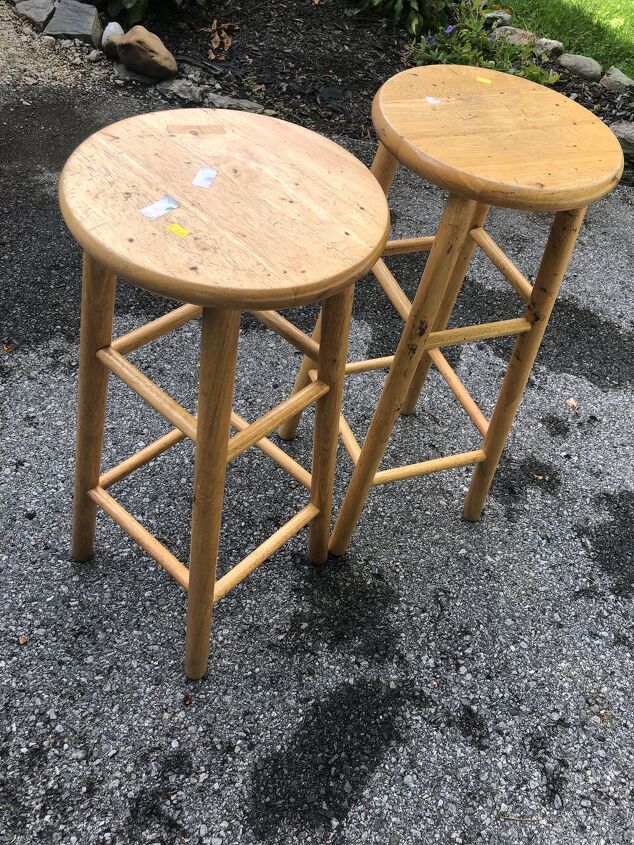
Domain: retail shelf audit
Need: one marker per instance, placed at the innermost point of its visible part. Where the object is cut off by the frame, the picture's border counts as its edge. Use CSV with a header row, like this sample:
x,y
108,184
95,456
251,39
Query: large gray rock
x,y
582,66
38,12
548,47
513,35
112,34
144,52
181,89
624,131
75,20
616,80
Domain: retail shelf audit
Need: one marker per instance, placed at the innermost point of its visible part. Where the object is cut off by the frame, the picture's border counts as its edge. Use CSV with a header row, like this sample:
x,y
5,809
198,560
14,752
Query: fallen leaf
x,y
8,348
187,699
572,403
23,639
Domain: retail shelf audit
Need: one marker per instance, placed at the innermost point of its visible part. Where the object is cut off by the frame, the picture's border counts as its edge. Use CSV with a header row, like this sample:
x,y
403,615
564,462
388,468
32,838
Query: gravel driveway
x,y
444,682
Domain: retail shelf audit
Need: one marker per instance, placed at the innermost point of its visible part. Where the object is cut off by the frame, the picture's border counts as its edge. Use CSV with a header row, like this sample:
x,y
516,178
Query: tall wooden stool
x,y
488,139
226,212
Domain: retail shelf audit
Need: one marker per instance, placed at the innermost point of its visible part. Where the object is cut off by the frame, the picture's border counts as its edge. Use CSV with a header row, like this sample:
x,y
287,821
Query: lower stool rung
x,y
241,570
427,467
141,535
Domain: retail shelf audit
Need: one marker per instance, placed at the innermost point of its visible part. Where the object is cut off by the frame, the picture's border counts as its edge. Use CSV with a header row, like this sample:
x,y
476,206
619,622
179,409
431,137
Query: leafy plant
x,y
466,41
137,9
417,15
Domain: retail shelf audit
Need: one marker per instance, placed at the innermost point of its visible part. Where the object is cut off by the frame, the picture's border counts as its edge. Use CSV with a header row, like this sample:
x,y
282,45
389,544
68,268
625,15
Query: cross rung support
x,y
139,459
484,331
141,535
295,404
387,476
503,263
296,337
369,364
243,569
393,290
405,245
156,328
146,389
349,440
459,390
276,454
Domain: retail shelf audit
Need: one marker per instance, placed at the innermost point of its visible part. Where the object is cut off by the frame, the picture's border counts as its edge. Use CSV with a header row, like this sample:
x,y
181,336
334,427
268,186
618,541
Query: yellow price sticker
x,y
176,229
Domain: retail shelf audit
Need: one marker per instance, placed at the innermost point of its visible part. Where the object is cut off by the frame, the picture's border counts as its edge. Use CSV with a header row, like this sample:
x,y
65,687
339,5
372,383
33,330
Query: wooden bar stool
x,y
488,139
225,212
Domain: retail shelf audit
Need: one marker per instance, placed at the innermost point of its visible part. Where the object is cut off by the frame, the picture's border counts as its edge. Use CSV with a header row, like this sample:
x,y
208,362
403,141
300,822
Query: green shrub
x,y
136,10
466,42
417,15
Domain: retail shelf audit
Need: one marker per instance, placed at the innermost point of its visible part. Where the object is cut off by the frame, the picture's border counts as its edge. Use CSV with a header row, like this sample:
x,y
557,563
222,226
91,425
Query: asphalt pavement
x,y
444,682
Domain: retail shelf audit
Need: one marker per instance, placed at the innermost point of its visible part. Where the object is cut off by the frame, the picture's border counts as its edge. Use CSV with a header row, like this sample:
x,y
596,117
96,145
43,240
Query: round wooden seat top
x,y
496,138
224,209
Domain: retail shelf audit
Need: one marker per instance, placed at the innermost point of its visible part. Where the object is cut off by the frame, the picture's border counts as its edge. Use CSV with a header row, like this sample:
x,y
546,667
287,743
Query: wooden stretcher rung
x,y
405,245
146,389
139,459
369,364
503,263
296,337
141,535
483,331
156,328
276,454
241,570
459,390
267,423
463,459
392,289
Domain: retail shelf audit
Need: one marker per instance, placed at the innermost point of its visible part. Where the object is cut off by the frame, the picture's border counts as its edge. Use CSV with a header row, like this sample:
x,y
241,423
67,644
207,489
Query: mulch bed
x,y
315,63
311,62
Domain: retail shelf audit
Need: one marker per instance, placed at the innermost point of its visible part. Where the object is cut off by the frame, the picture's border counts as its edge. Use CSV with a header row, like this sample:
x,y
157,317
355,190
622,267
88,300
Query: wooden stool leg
x,y
218,352
333,353
444,312
288,428
384,167
452,231
97,308
559,249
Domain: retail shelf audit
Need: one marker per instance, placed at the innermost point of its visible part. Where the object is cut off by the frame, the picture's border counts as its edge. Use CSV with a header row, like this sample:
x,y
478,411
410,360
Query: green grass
x,y
603,29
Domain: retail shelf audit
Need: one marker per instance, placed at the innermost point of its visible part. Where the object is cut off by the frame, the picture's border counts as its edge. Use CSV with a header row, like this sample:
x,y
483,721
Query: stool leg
x,y
218,352
452,231
288,428
444,312
333,353
384,167
97,308
561,242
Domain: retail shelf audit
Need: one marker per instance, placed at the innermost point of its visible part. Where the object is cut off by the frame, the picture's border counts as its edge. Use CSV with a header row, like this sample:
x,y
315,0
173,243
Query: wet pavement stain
x,y
327,761
513,478
611,542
